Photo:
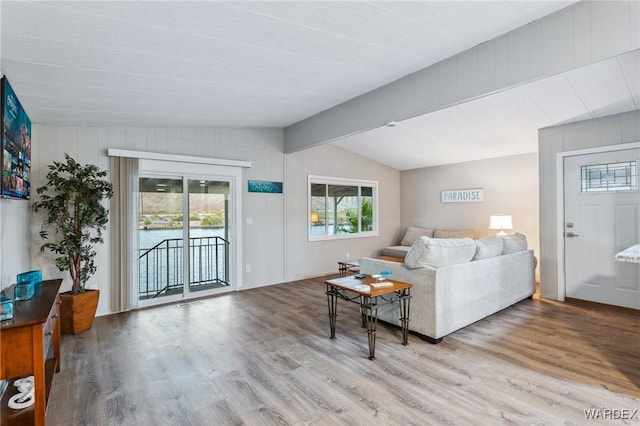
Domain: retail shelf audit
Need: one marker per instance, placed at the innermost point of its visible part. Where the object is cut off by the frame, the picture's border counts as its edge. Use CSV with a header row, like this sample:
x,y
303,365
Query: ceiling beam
x,y
581,34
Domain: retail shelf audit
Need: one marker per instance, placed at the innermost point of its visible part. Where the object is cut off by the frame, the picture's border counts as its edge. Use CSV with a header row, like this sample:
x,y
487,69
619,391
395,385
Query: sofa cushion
x,y
453,233
514,243
489,247
395,251
438,252
413,234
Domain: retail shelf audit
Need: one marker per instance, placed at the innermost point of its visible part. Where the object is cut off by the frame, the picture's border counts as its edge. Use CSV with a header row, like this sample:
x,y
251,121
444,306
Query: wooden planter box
x,y
77,312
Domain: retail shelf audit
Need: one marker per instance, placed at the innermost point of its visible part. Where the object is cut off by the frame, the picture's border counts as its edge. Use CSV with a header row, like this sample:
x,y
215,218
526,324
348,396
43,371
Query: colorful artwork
x,y
265,186
16,146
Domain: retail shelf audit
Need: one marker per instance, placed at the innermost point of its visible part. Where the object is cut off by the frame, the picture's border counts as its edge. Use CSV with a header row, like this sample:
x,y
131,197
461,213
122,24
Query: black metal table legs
x,y
332,300
369,312
405,304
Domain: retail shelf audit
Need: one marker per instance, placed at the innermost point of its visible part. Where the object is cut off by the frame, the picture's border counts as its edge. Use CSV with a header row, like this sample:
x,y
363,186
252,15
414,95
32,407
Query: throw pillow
x,y
489,247
413,234
514,243
452,233
438,252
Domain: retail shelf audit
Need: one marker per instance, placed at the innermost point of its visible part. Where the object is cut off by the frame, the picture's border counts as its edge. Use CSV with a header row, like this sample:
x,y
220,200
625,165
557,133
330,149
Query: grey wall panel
x,y
311,258
448,81
263,147
487,67
468,74
510,185
581,14
525,53
634,24
425,89
558,43
607,131
610,28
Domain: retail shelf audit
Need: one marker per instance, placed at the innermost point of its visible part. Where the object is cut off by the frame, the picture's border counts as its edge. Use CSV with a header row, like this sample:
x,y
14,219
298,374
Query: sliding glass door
x,y
208,226
160,237
185,231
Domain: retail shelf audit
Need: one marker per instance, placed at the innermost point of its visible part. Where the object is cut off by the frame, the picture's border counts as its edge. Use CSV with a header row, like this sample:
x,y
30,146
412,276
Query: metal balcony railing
x,y
161,267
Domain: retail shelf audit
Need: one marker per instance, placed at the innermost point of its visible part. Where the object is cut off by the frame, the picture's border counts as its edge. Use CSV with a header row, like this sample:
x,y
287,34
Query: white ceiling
x,y
272,64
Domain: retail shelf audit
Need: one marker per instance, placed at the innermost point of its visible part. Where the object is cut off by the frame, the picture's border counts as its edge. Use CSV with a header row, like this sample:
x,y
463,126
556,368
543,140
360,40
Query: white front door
x,y
602,218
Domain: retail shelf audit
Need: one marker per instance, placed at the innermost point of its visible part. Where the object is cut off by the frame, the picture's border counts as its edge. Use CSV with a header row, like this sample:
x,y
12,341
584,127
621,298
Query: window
x,y
342,208
609,177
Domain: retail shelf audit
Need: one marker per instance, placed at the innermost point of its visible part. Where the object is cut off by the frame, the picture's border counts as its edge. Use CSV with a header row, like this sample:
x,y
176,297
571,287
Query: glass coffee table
x,y
370,294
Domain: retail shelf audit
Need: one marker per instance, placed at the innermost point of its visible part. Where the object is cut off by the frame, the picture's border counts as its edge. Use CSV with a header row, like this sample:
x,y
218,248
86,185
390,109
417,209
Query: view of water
x,y
151,237
162,267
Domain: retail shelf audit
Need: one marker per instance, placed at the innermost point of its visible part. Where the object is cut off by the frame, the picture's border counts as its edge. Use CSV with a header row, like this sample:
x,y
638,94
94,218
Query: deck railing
x,y
161,267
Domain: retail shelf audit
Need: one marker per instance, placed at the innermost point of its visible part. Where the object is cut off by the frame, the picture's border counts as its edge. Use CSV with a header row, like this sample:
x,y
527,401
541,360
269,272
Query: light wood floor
x,y
263,356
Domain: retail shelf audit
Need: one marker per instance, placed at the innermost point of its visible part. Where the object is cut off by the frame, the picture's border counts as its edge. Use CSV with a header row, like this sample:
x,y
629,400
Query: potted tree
x,y
72,201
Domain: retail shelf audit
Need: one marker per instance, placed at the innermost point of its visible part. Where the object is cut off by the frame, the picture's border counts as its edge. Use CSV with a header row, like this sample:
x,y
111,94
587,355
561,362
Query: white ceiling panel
x,y
557,99
603,88
296,58
272,64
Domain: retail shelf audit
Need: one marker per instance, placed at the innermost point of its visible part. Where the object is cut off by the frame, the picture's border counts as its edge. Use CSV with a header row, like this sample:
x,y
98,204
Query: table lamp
x,y
501,222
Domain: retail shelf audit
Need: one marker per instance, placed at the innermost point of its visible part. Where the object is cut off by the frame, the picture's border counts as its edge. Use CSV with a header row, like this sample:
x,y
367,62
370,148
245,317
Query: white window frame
x,y
327,180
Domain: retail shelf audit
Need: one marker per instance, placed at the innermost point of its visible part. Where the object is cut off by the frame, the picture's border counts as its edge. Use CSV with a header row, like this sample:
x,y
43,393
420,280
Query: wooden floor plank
x,y
263,356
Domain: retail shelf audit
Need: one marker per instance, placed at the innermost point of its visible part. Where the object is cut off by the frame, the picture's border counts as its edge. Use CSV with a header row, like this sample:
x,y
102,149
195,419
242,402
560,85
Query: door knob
x,y
570,235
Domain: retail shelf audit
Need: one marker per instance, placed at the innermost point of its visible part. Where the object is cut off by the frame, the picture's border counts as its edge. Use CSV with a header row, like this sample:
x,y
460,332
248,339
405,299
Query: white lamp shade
x,y
500,221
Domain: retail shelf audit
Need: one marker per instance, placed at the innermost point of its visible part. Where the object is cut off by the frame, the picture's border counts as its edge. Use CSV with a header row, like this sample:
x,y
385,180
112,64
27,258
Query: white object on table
x,y
632,254
25,397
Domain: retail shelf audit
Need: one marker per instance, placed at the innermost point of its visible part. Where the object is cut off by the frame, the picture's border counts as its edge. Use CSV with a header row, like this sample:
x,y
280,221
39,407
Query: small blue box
x,y
24,291
31,276
6,308
25,287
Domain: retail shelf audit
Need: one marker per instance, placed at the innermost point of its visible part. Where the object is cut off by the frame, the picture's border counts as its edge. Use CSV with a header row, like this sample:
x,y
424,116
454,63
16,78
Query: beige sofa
x,y
413,233
449,296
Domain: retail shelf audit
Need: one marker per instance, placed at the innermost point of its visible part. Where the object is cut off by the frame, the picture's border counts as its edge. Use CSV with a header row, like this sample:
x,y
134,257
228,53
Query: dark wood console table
x,y
30,345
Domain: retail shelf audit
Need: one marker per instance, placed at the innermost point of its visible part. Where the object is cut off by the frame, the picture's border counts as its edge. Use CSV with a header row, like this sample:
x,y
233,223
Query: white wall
x,y
15,239
263,241
306,259
613,130
510,187
273,221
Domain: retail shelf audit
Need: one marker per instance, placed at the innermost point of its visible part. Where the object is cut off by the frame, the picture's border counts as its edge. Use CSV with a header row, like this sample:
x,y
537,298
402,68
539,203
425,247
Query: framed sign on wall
x,y
462,195
265,186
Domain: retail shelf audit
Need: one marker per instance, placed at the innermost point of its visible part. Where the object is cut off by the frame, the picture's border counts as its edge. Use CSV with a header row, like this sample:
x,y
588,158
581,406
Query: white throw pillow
x,y
413,234
489,247
438,252
514,243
